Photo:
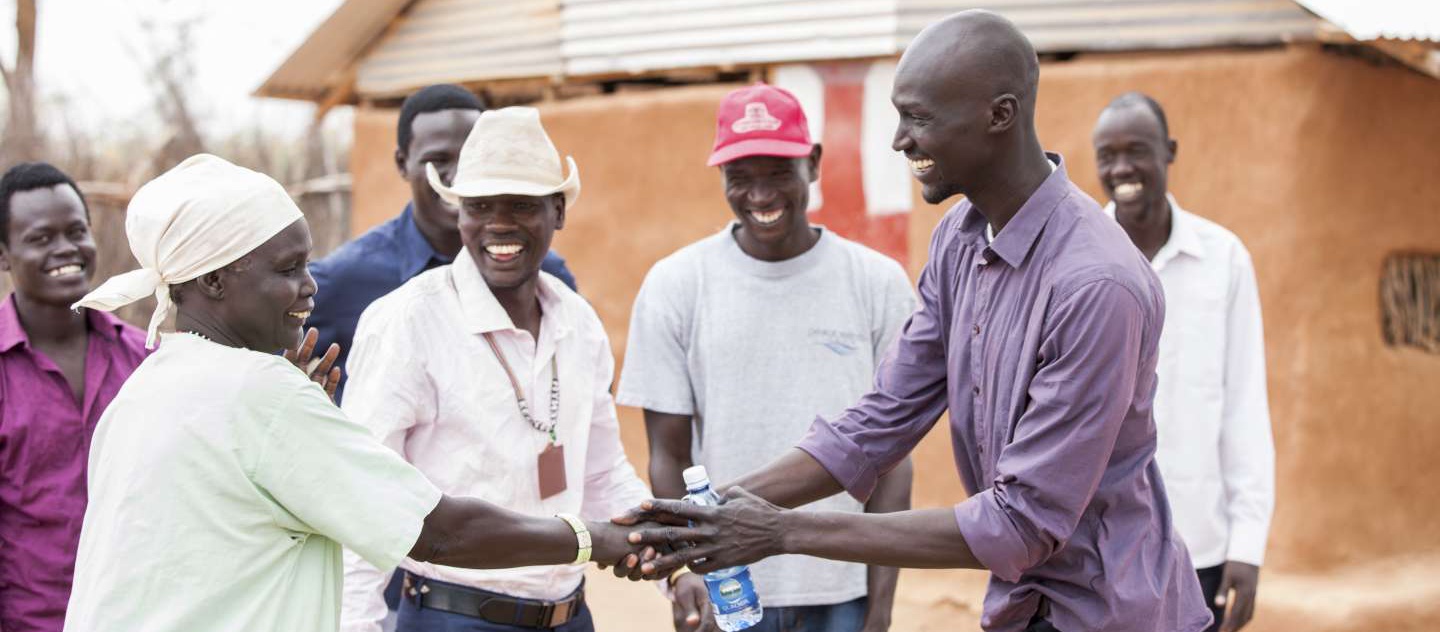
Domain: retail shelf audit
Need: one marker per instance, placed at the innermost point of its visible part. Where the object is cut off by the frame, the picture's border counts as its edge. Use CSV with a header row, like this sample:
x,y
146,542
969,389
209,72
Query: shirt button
x,y
977,391
976,330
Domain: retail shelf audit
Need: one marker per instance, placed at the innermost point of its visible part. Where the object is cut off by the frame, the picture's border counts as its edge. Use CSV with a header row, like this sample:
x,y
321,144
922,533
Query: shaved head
x,y
979,48
966,89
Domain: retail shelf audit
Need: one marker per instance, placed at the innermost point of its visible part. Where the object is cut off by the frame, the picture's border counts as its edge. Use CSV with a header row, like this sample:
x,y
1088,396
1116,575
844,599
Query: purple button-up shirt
x,y
1043,347
44,447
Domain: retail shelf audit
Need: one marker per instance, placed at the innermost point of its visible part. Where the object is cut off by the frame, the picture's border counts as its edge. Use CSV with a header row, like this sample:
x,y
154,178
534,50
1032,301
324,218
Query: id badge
x,y
551,464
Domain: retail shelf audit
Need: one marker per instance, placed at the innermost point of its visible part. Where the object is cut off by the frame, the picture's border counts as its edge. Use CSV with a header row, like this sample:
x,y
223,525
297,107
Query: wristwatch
x,y
583,543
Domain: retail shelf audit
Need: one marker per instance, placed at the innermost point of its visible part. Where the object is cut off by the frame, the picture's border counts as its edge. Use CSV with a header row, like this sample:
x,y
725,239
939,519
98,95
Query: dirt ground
x,y
1394,595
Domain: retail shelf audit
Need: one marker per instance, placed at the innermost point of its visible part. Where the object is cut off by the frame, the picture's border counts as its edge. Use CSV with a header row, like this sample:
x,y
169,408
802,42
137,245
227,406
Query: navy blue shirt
x,y
373,265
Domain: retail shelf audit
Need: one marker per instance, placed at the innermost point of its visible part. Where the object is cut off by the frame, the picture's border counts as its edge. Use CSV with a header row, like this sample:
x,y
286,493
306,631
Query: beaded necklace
x,y
520,394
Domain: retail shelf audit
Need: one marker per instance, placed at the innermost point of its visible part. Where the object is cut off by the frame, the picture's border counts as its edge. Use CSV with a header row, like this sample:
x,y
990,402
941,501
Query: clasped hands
x,y
660,537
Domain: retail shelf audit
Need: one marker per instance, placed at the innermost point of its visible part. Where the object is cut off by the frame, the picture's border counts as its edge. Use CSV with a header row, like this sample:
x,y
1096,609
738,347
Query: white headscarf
x,y
196,218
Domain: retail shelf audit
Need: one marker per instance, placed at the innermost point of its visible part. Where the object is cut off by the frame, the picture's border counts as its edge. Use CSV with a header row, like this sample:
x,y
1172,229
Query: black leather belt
x,y
493,607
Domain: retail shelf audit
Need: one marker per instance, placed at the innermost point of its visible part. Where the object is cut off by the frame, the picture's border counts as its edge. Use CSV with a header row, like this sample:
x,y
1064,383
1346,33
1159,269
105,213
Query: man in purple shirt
x,y
59,369
1038,331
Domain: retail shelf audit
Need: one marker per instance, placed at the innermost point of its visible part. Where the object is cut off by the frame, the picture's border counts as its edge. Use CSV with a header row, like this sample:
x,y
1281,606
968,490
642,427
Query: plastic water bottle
x,y
732,594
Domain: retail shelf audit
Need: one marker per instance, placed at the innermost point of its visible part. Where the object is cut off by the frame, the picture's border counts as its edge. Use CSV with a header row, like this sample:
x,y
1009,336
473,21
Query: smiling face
x,y
508,235
770,195
436,139
947,124
50,253
941,132
965,92
267,295
1132,156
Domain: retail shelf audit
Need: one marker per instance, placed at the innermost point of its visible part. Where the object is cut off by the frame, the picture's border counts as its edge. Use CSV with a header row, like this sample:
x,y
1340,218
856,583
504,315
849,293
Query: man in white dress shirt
x,y
494,379
1211,411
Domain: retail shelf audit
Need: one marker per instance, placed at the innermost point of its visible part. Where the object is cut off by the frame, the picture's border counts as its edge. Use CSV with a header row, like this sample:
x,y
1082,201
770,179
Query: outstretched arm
x,y
746,529
472,533
1044,481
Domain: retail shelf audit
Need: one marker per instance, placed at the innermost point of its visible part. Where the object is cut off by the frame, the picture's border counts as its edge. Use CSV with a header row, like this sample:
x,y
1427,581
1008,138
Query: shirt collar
x,y
483,313
1182,230
1184,239
1019,235
415,250
12,334
107,324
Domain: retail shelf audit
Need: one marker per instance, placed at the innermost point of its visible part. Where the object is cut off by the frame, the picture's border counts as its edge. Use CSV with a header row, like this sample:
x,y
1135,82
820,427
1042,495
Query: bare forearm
x,y
792,480
923,538
880,584
472,533
667,474
892,494
669,436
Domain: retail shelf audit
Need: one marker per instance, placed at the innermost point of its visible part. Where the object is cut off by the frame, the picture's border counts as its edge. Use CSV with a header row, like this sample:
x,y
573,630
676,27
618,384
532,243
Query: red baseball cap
x,y
760,120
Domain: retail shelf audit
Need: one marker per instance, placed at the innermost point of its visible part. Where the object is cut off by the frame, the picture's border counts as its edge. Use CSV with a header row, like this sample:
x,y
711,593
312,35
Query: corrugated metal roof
x,y
601,37
459,41
1381,19
472,41
323,61
1088,25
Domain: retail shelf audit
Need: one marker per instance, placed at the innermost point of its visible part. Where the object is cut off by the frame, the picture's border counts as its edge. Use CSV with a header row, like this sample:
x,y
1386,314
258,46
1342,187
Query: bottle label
x,y
732,594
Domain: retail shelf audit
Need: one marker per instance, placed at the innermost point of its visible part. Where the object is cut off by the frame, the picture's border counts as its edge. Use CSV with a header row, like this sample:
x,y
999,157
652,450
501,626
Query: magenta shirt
x,y
1042,346
44,446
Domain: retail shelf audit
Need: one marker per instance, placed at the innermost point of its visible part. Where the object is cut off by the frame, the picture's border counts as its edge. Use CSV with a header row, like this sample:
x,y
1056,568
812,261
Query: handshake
x,y
661,538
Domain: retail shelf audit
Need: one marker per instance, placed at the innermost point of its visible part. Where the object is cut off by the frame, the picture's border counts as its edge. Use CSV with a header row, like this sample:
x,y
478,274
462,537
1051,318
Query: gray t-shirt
x,y
755,350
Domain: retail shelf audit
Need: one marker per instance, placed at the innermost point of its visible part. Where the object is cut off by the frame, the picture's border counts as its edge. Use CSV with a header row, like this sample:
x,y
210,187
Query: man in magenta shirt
x,y
59,369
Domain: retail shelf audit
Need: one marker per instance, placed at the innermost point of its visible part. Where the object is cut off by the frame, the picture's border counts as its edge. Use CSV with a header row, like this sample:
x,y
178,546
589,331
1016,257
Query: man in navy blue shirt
x,y
433,125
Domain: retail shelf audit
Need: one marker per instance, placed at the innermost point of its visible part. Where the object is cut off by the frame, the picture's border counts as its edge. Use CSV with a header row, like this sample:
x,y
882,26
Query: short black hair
x,y
445,96
28,176
1140,98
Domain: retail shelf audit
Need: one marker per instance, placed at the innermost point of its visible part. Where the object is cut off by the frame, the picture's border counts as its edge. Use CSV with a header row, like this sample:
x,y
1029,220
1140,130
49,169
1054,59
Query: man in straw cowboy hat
x,y
222,481
493,378
433,125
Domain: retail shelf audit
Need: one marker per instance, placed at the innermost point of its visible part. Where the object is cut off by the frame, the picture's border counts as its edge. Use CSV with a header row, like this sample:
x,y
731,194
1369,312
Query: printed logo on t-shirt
x,y
842,343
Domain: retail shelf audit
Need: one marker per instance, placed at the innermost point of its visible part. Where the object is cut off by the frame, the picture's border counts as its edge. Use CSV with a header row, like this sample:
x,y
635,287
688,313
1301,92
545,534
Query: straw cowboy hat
x,y
508,152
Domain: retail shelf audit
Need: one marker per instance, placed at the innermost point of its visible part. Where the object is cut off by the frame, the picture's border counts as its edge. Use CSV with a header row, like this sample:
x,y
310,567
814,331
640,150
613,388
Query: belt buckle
x,y
557,613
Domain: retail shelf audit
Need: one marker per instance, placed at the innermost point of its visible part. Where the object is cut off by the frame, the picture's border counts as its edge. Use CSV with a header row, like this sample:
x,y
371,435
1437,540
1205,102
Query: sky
x,y
92,54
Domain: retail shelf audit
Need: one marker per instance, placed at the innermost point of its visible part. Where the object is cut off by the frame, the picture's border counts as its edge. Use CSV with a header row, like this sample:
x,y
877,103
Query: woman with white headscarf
x,y
222,481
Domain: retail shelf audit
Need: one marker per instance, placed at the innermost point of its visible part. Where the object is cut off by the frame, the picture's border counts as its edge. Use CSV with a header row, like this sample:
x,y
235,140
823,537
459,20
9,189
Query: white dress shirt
x,y
423,379
1211,410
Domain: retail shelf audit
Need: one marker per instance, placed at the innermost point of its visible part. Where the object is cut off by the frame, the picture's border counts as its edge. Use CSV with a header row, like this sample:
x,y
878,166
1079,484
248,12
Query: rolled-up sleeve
x,y
1046,476
875,434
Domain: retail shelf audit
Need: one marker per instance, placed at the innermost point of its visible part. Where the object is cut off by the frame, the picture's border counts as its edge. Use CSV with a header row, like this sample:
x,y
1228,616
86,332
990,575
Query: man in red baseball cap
x,y
756,330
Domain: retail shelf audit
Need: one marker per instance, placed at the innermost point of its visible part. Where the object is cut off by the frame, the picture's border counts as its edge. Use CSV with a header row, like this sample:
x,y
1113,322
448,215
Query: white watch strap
x,y
583,543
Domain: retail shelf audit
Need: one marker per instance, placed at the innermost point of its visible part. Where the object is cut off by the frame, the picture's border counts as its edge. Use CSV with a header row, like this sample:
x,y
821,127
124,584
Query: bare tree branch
x,y
25,14
22,133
